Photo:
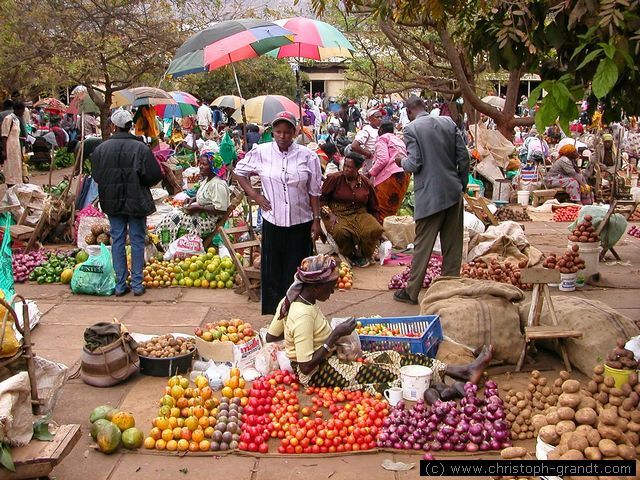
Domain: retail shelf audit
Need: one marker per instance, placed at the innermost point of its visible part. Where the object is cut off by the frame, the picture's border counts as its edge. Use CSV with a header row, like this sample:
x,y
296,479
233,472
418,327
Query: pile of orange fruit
x,y
186,417
234,387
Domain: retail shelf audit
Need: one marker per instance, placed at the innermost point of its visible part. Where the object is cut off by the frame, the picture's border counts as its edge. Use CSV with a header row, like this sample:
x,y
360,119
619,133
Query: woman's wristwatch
x,y
317,217
326,347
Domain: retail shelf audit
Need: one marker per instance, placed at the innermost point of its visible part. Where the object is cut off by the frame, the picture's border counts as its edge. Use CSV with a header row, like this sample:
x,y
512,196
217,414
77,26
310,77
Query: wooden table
x,y
38,458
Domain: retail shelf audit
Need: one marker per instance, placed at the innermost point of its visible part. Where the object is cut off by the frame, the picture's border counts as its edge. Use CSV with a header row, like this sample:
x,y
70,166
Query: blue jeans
x,y
137,233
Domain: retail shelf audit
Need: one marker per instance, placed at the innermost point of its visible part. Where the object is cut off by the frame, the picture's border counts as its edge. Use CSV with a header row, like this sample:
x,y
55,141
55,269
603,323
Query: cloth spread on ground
x,y
506,241
16,418
476,313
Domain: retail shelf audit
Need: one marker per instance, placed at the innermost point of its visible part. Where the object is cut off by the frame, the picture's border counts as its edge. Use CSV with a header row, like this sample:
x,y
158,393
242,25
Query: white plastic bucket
x,y
568,282
543,449
523,197
415,381
590,253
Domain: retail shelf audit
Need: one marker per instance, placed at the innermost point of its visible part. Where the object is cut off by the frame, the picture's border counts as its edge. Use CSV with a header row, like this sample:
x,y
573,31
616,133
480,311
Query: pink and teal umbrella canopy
x,y
186,104
227,42
314,40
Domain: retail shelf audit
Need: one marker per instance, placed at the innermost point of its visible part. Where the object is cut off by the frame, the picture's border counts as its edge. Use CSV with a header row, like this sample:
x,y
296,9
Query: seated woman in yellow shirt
x,y
310,342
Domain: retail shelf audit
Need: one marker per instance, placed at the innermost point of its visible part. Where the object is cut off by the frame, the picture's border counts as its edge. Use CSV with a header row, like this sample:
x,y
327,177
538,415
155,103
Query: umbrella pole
x,y
244,117
299,88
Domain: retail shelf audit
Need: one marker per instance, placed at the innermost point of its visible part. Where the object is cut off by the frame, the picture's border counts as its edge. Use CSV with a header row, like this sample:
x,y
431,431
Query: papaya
x,y
108,437
66,275
96,425
100,412
111,413
124,420
132,438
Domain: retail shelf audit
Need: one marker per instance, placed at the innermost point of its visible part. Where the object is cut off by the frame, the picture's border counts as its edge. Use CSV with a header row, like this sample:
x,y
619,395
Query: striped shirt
x,y
288,178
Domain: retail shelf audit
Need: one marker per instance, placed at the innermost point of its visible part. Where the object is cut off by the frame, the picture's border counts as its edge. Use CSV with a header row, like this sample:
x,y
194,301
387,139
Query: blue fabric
x,y
137,227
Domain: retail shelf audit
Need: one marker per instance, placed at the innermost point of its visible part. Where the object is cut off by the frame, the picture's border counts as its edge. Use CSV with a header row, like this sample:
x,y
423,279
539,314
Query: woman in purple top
x,y
290,203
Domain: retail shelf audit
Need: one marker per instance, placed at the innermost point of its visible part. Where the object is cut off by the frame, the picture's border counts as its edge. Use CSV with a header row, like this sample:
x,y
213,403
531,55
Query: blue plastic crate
x,y
426,344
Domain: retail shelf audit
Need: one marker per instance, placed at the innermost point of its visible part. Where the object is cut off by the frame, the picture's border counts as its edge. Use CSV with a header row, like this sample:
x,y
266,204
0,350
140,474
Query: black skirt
x,y
283,249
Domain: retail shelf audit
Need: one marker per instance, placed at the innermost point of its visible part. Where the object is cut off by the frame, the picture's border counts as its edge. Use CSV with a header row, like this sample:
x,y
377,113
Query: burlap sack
x,y
600,325
476,313
401,231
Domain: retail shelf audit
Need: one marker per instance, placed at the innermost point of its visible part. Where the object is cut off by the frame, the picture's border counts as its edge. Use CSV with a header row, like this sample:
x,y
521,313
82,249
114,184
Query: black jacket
x,y
124,169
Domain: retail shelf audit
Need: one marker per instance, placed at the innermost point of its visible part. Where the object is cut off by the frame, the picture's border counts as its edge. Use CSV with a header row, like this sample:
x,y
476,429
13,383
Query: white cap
x,y
586,153
120,118
372,111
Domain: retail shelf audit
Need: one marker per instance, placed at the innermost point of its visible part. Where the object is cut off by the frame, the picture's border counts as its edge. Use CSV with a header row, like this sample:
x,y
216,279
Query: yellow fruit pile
x,y
234,387
207,270
186,417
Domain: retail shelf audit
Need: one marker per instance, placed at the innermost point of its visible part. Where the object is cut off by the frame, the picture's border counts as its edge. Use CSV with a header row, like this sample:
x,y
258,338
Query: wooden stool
x,y
540,278
479,208
541,196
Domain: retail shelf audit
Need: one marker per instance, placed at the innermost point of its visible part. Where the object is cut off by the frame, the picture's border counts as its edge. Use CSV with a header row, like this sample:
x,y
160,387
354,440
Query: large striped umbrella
x,y
227,42
263,109
186,104
228,101
314,40
51,104
139,96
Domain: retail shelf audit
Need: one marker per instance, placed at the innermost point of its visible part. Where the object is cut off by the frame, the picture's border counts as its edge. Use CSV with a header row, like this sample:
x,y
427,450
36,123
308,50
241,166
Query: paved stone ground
x,y
65,316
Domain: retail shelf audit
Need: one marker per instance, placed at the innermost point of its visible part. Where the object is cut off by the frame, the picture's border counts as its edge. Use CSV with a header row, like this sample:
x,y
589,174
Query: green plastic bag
x,y
228,149
6,267
95,276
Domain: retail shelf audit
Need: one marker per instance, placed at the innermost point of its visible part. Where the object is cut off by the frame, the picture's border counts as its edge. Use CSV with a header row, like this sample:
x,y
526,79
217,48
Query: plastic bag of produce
x,y
6,267
184,247
95,276
348,347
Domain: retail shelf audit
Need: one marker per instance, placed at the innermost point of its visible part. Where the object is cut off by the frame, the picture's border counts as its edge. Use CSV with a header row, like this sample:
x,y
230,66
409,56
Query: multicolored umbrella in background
x,y
263,109
228,101
139,96
314,40
51,105
186,104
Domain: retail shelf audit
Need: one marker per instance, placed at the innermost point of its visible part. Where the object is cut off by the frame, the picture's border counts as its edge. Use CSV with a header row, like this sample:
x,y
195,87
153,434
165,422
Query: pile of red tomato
x,y
274,411
566,214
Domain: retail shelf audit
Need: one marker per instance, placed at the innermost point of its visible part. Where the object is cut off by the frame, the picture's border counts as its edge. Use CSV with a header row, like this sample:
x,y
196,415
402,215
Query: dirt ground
x,y
59,337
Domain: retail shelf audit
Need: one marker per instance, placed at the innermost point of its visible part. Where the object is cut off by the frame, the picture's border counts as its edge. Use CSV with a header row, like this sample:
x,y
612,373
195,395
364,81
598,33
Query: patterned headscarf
x,y
312,270
566,150
218,168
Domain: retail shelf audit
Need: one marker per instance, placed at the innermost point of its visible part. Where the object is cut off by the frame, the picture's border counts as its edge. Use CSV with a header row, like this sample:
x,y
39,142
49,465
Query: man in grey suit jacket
x,y
439,160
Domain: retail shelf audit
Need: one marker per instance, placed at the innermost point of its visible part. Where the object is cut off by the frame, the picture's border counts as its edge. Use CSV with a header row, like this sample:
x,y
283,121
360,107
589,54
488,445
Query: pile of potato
x,y
584,232
166,346
598,423
503,272
514,453
523,406
621,358
570,262
513,213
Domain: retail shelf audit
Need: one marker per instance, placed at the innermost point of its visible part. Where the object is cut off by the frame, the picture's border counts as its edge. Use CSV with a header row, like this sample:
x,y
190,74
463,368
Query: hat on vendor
x,y
120,118
607,137
372,111
567,150
285,116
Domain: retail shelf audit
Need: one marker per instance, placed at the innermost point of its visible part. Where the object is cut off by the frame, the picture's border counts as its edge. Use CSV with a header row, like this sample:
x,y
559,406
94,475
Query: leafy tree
x,y
580,47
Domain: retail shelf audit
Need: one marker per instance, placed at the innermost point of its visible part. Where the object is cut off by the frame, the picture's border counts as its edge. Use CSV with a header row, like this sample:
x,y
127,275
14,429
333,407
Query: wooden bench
x,y
541,196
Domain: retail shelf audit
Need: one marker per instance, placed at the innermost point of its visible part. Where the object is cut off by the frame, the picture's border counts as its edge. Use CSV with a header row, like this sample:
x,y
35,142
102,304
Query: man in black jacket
x,y
124,169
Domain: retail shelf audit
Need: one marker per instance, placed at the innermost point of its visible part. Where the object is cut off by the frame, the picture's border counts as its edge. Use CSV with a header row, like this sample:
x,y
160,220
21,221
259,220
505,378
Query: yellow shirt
x,y
305,330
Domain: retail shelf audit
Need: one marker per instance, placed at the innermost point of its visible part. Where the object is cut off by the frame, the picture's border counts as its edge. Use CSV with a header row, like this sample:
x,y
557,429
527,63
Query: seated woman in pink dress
x,y
389,180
